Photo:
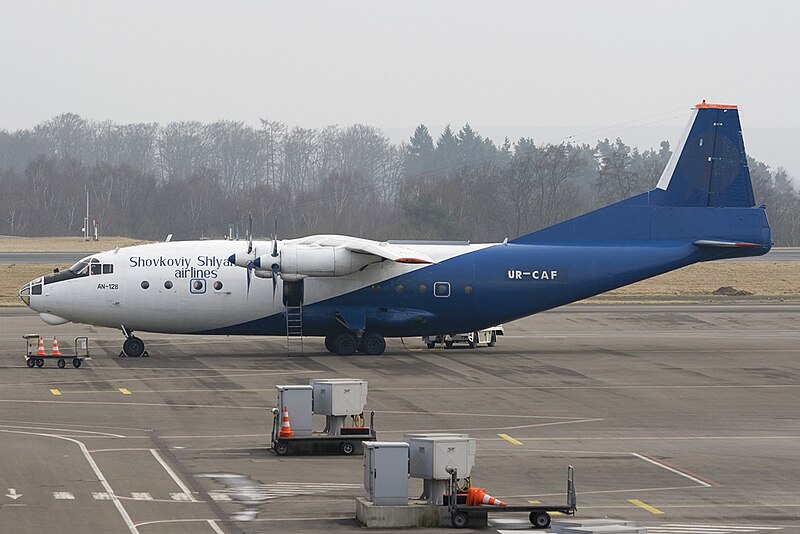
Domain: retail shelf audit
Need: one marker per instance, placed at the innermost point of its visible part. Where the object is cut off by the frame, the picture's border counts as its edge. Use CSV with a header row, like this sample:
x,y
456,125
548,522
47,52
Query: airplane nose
x,y
24,294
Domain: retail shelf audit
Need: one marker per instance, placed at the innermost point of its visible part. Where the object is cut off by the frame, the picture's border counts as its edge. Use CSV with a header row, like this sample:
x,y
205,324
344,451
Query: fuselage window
x,y
422,288
441,289
198,286
96,268
468,289
399,288
108,268
217,285
168,284
145,284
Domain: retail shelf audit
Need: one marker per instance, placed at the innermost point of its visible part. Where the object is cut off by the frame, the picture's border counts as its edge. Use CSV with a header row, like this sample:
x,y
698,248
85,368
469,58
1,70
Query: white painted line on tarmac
x,y
63,496
214,527
672,470
174,476
141,496
98,473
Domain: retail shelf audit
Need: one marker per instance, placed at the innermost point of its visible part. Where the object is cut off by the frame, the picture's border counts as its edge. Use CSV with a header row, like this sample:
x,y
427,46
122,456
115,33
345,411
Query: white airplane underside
x,y
356,292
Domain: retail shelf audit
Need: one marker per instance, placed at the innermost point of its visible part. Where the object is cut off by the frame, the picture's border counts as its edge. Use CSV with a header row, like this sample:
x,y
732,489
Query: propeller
x,y
248,261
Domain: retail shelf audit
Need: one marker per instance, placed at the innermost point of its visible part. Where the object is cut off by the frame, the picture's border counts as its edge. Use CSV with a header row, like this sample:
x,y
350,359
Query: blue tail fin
x,y
704,195
709,166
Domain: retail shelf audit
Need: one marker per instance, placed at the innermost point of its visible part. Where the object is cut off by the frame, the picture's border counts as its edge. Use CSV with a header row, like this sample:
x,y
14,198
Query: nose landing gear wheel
x,y
133,347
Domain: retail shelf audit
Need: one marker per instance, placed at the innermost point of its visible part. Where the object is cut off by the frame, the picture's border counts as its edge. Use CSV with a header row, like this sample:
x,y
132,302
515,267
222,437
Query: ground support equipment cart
x,y
81,353
348,442
463,516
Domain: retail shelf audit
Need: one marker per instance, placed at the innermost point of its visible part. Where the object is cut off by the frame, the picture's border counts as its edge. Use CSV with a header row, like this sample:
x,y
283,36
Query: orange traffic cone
x,y
40,351
286,429
478,496
55,351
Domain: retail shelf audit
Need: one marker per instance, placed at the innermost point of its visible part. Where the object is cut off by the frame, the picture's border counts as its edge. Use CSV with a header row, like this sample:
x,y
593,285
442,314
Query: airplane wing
x,y
358,245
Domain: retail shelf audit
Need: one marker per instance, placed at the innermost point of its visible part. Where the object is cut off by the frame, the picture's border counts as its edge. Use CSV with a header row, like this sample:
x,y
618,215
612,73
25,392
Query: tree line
x,y
196,179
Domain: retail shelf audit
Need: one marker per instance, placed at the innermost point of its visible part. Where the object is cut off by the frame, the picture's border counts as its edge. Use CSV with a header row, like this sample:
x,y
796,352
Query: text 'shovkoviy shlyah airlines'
x,y
356,292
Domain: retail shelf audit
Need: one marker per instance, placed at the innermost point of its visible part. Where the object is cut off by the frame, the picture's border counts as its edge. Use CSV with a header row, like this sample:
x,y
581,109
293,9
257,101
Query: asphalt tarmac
x,y
685,419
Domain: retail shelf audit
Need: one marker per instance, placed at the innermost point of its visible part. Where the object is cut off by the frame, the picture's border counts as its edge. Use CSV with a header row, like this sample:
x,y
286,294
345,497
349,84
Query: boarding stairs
x,y
294,330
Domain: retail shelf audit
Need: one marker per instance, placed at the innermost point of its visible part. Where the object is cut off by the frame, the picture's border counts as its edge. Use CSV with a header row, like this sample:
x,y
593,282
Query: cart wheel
x,y
474,342
347,448
448,344
76,362
61,363
39,362
459,520
280,449
30,362
430,344
540,519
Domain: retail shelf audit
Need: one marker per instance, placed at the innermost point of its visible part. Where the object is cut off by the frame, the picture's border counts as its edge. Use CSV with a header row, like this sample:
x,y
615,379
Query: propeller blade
x,y
250,234
275,240
275,271
249,275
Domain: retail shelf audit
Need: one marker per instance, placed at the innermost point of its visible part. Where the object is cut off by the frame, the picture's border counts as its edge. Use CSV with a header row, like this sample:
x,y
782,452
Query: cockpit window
x,y
81,268
96,268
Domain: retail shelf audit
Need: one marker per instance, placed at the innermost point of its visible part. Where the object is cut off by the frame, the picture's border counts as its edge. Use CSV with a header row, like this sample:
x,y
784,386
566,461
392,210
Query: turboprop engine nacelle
x,y
301,261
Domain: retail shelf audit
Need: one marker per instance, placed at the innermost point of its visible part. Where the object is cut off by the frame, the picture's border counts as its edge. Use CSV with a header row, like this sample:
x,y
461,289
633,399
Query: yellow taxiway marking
x,y
510,439
651,509
534,501
124,391
55,392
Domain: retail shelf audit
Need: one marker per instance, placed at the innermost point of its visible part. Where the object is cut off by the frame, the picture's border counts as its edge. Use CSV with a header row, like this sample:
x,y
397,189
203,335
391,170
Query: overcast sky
x,y
547,69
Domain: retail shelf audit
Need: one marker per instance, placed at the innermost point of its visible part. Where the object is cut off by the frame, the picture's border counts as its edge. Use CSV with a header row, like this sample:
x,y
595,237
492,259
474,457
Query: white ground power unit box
x,y
339,396
298,400
429,456
386,472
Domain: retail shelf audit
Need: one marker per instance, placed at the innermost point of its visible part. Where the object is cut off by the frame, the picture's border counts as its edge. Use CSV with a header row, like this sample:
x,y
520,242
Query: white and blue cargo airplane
x,y
356,292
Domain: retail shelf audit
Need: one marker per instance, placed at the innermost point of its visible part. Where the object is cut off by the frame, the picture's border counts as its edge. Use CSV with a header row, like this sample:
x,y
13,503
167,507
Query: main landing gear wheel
x,y
448,344
329,344
62,363
133,347
493,342
539,519
344,344
373,344
430,344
